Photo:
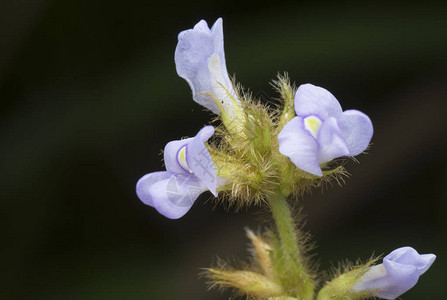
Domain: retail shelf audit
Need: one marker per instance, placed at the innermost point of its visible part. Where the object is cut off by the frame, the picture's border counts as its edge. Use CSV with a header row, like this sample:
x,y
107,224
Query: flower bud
x,y
398,273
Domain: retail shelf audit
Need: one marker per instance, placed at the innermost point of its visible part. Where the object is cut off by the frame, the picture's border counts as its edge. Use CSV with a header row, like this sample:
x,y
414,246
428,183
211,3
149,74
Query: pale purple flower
x,y
398,273
200,60
189,172
322,131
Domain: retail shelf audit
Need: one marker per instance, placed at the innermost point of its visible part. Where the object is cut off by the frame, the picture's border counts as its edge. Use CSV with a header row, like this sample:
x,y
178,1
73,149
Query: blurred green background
x,y
89,95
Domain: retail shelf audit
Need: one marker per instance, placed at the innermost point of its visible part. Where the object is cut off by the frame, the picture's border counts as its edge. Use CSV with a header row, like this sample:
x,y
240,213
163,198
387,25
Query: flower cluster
x,y
262,155
318,133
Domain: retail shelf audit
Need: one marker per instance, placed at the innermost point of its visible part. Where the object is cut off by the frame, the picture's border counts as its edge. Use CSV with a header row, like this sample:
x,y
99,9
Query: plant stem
x,y
296,277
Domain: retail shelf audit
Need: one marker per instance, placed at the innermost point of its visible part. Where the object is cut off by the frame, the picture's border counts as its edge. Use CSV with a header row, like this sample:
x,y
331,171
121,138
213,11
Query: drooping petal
x,y
200,60
357,130
146,182
330,141
399,272
174,196
171,155
315,100
300,146
200,161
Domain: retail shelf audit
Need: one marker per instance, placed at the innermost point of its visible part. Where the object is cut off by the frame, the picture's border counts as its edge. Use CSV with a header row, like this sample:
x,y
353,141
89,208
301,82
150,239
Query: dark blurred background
x,y
89,95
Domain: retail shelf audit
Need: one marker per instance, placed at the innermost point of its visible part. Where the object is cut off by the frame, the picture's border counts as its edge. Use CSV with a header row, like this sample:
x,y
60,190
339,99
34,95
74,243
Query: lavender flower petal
x,y
337,133
330,141
408,255
396,279
357,130
398,273
314,100
205,133
300,146
146,182
190,172
174,196
200,161
200,60
170,155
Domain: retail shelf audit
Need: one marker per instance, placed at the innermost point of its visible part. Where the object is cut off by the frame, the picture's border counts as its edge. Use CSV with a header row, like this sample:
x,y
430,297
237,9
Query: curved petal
x,y
146,182
174,196
200,161
170,154
205,133
399,279
399,272
300,146
330,141
409,256
200,60
357,130
426,260
315,100
390,280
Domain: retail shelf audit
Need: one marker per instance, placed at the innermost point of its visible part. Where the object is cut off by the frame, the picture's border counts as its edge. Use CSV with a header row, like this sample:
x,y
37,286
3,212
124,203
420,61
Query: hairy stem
x,y
293,271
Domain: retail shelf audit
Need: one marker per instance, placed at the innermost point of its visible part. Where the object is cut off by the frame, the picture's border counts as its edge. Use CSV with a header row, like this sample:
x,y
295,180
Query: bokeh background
x,y
89,96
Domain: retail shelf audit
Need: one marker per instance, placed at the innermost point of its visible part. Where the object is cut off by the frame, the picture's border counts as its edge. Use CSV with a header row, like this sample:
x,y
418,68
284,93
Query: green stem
x,y
296,279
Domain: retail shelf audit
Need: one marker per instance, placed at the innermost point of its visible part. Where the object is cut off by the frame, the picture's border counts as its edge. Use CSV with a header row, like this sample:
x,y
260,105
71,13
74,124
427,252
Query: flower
x,y
398,273
200,60
189,172
322,131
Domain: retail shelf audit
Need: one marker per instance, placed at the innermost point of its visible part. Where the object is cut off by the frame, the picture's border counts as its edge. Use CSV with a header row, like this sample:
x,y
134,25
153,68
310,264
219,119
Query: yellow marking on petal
x,y
181,158
214,63
313,124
